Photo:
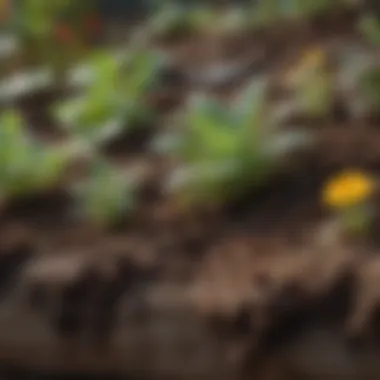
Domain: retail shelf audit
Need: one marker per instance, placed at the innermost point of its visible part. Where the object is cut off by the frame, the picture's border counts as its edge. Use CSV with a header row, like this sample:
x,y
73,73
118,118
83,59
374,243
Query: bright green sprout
x,y
113,101
26,166
105,196
229,150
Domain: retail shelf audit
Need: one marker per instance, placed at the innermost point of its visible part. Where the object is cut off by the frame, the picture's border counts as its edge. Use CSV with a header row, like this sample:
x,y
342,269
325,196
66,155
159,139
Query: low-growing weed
x,y
26,166
227,150
113,101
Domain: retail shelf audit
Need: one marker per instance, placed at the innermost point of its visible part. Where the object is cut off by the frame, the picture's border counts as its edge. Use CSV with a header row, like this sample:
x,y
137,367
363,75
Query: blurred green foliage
x,y
227,150
27,166
114,99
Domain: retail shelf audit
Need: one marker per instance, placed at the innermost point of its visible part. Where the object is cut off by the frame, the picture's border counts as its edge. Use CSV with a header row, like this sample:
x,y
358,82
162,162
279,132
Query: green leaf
x,y
211,133
112,102
227,150
25,166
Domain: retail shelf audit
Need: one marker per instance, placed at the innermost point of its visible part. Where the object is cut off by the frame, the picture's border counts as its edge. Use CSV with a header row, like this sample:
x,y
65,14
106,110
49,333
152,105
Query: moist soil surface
x,y
256,289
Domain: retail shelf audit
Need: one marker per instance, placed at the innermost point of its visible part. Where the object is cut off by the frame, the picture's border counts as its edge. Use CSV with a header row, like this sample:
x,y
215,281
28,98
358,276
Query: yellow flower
x,y
347,189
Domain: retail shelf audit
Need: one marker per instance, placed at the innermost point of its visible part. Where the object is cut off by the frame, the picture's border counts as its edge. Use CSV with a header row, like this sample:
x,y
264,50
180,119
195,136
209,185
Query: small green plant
x,y
105,196
26,166
227,150
113,101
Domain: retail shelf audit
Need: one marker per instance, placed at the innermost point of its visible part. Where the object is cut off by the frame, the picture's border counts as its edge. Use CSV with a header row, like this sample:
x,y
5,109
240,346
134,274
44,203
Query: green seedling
x,y
113,101
27,167
105,196
226,151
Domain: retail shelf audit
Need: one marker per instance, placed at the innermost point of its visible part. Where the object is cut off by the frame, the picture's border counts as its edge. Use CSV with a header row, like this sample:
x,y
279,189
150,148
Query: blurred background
x,y
189,189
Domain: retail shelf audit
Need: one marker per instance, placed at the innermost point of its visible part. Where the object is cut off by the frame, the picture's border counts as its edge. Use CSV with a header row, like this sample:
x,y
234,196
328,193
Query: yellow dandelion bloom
x,y
347,189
